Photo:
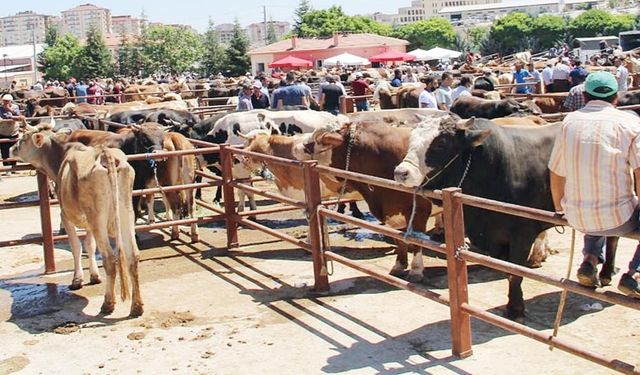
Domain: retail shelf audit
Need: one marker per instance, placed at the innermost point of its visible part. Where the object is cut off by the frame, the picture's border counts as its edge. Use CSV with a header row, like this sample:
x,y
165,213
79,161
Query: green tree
x,y
214,57
271,32
547,29
60,61
507,32
170,49
326,22
51,35
95,60
428,33
129,60
303,8
596,22
476,35
238,61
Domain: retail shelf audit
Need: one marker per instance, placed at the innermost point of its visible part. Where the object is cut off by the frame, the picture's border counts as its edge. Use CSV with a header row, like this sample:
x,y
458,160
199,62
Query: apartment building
x,y
21,28
79,20
126,25
257,33
225,32
424,9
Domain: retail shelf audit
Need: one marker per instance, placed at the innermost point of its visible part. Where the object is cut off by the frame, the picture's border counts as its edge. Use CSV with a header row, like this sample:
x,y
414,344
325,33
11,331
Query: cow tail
x,y
122,265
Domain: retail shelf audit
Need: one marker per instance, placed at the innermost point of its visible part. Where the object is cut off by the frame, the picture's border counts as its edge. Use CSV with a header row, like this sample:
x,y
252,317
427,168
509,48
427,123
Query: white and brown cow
x,y
94,186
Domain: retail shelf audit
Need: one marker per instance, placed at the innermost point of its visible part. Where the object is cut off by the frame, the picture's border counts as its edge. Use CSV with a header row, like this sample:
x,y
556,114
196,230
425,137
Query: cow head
x,y
433,145
324,139
257,140
34,147
149,137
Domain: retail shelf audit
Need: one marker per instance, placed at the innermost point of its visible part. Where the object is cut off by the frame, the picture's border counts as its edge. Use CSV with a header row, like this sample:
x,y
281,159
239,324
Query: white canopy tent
x,y
345,59
435,53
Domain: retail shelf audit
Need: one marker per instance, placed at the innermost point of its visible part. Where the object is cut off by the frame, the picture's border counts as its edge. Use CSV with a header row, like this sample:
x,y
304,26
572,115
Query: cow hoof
x,y
136,311
107,308
397,272
534,263
195,238
415,278
95,280
75,285
516,315
252,218
358,215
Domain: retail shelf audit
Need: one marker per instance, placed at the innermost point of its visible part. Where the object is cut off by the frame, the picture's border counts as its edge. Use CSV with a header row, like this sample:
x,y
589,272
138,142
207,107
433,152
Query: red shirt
x,y
359,87
91,91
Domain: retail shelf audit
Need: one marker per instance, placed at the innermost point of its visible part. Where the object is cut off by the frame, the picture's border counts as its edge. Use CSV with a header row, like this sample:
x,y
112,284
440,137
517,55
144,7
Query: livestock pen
x,y
317,244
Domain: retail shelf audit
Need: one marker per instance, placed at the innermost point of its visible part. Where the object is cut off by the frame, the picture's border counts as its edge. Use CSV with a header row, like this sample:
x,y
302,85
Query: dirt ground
x,y
252,311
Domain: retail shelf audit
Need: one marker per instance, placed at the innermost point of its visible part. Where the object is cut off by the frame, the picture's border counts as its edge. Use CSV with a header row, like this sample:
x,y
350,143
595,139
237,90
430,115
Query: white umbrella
x,y
438,53
420,54
345,59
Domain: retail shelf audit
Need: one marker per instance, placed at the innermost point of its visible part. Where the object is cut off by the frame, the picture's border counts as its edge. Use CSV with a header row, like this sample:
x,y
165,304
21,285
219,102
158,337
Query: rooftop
x,y
84,7
344,41
20,51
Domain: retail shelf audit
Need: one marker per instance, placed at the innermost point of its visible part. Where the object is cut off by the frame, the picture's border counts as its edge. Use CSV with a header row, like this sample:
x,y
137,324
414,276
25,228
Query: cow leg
x,y
609,266
133,258
341,208
109,265
151,210
538,251
218,197
355,211
198,180
401,259
76,250
417,266
515,307
175,230
90,248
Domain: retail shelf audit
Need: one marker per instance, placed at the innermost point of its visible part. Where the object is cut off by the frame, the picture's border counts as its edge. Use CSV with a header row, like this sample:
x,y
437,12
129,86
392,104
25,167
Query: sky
x,y
197,13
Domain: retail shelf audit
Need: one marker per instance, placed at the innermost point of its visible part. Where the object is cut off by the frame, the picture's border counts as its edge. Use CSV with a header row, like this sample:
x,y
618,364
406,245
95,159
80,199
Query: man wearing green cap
x,y
591,180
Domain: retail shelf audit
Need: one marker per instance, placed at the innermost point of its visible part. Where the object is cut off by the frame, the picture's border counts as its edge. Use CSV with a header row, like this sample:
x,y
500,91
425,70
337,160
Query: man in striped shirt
x,y
591,168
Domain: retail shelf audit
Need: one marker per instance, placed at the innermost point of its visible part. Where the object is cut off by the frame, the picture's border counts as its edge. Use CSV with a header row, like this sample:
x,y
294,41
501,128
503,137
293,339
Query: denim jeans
x,y
362,106
594,242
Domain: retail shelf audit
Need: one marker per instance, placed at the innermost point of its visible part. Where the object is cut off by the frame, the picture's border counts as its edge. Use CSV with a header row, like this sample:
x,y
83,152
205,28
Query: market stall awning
x,y
346,59
420,54
392,56
291,62
438,53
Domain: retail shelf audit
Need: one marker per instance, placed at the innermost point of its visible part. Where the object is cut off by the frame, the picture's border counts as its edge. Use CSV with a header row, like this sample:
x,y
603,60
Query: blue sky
x,y
197,13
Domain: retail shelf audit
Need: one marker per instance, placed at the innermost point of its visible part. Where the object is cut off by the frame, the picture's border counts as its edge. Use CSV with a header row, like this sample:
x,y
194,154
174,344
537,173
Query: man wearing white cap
x,y
9,117
561,74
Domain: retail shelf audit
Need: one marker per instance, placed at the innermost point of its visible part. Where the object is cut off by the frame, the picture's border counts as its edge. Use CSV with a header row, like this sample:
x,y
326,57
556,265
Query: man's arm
x,y
321,103
305,101
557,189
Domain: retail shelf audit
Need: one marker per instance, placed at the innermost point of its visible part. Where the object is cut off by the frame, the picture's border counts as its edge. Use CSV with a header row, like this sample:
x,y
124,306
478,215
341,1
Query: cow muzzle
x,y
407,175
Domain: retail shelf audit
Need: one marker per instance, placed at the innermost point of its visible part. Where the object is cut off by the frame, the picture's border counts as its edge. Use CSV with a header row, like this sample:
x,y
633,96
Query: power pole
x,y
264,18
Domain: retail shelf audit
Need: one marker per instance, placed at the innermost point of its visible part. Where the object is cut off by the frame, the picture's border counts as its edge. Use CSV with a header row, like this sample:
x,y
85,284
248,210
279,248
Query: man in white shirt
x,y
426,98
561,74
622,75
547,78
463,89
410,77
443,93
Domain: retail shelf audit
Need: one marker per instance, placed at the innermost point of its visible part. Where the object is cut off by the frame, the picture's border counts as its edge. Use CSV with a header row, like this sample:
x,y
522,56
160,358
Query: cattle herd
x,y
475,146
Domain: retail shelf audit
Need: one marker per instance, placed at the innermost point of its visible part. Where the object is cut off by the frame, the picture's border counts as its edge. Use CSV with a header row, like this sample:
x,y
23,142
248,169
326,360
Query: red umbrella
x,y
290,62
392,56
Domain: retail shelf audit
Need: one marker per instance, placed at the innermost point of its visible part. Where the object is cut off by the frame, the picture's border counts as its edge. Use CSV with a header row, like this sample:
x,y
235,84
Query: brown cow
x,y
104,178
520,121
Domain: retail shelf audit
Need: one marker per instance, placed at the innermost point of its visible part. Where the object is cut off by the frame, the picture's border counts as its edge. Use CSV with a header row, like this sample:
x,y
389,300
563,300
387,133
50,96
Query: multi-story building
x,y
225,32
21,28
79,20
480,13
257,33
126,25
423,9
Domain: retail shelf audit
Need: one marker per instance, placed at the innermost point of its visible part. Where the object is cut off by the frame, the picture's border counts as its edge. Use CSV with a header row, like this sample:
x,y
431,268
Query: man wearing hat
x,y
591,179
9,117
561,76
360,87
259,100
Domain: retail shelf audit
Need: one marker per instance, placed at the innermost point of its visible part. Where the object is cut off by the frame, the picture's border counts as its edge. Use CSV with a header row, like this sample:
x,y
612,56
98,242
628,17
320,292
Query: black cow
x,y
483,83
131,117
471,106
171,117
508,164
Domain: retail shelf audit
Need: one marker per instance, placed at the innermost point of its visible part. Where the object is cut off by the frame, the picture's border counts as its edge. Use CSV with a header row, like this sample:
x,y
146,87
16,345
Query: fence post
x,y
314,199
456,273
226,161
45,223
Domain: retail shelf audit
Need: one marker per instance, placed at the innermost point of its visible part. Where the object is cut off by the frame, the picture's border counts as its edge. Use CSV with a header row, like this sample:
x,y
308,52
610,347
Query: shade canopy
x,y
291,62
420,54
345,59
438,53
392,56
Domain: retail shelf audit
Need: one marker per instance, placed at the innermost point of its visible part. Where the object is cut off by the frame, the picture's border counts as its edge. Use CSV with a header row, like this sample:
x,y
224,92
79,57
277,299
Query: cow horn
x,y
466,124
135,126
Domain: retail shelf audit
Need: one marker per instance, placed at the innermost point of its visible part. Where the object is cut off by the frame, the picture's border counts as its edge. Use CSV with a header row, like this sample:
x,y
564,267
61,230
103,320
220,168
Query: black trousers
x,y
4,148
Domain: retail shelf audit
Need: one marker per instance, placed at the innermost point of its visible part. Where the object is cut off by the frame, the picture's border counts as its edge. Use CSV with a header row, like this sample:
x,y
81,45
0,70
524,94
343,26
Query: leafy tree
x,y
271,32
596,22
476,34
170,49
60,60
303,8
213,59
238,61
508,31
95,60
428,33
547,29
129,59
325,22
51,35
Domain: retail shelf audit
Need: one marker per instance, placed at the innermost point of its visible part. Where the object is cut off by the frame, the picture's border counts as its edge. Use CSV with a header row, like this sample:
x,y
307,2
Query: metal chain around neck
x,y
352,134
